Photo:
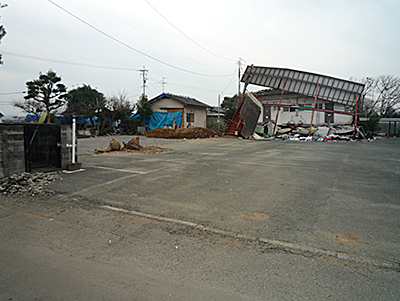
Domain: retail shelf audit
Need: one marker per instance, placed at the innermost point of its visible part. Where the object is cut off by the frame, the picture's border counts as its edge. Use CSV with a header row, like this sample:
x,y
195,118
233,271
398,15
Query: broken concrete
x,y
27,183
322,133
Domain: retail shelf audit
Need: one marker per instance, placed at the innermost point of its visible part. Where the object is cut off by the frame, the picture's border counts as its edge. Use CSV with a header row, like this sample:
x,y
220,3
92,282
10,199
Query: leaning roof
x,y
182,99
305,83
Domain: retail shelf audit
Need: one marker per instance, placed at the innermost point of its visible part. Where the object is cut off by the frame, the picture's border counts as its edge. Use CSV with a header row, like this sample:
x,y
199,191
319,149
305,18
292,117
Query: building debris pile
x,y
27,183
302,133
182,133
131,146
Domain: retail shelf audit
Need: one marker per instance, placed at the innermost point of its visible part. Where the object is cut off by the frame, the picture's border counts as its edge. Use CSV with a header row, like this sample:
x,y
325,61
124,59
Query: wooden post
x,y
313,110
279,106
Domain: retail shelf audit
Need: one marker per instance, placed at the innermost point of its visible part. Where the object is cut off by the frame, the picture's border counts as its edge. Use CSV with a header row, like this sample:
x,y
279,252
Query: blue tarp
x,y
137,116
159,119
31,117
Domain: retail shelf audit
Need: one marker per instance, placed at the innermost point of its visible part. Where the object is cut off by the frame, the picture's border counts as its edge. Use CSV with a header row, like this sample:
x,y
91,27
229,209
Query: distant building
x,y
194,112
1,117
215,118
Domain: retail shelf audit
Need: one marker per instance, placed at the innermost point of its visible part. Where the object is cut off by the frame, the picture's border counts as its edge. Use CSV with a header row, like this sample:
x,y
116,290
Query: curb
x,y
273,244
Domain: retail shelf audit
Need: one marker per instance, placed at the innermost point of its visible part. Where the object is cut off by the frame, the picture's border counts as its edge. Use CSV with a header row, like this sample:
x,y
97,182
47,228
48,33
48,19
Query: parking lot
x,y
338,197
212,219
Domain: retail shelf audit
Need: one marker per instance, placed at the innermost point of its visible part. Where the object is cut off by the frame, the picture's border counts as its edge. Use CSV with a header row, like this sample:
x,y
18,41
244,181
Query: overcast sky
x,y
194,45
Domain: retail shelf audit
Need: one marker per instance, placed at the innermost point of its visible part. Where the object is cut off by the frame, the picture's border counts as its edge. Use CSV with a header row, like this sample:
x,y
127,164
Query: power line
x,y
202,89
12,93
185,35
154,40
130,47
230,82
38,58
69,57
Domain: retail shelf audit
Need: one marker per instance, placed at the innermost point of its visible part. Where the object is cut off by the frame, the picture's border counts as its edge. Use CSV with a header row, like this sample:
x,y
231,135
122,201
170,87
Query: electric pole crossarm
x,y
144,75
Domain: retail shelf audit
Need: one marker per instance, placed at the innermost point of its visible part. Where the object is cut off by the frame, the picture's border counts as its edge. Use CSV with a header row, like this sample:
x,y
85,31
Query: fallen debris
x,y
182,133
321,133
27,183
131,146
149,150
115,145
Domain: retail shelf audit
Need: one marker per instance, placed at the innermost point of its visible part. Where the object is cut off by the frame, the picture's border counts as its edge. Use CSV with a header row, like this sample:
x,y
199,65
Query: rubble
x,y
182,133
114,146
27,183
321,133
131,146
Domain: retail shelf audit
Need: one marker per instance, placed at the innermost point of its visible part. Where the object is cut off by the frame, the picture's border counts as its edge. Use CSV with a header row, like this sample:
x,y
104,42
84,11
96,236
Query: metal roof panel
x,y
331,88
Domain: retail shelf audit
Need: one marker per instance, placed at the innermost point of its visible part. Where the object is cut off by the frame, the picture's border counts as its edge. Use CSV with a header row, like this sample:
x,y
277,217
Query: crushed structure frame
x,y
305,83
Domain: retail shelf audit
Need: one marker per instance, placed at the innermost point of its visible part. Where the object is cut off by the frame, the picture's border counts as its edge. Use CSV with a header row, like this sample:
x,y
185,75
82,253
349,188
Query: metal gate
x,y
42,144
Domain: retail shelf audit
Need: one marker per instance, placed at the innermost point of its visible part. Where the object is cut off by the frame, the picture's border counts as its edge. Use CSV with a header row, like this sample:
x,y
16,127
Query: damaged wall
x,y
250,113
297,115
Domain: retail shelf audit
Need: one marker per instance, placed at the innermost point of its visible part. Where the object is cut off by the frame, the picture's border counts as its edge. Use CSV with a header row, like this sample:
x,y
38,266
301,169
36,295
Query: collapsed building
x,y
295,99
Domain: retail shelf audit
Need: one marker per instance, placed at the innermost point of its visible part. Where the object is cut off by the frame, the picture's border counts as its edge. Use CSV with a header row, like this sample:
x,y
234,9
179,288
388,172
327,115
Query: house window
x,y
285,109
189,117
319,106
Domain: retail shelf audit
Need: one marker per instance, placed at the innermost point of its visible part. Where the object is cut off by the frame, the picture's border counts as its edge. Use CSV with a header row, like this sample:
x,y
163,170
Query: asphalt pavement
x,y
211,219
336,196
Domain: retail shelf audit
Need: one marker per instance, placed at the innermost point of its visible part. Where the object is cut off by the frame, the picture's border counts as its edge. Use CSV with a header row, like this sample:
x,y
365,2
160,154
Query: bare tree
x,y
29,106
117,108
120,102
381,95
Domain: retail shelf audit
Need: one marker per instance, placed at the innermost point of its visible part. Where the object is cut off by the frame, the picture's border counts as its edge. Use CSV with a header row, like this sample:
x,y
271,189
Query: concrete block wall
x,y
12,153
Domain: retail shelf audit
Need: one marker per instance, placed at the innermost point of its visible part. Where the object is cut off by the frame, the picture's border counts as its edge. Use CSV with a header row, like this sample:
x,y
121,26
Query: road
x,y
210,220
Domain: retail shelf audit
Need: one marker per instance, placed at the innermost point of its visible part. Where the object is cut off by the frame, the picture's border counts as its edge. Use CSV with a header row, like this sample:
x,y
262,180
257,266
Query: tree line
x,y
48,93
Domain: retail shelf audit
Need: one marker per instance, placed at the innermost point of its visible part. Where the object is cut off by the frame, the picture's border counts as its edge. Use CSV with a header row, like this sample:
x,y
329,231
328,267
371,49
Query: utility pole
x,y
144,70
239,75
219,105
163,83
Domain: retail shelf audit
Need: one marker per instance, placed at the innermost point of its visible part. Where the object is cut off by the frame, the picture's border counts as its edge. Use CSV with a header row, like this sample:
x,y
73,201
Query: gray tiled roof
x,y
182,99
